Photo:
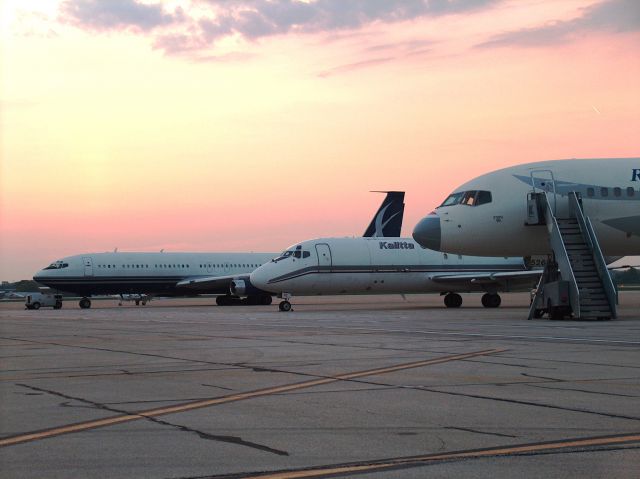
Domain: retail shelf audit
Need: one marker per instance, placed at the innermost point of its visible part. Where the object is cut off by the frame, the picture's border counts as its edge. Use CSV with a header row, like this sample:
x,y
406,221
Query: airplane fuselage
x,y
494,222
335,266
145,273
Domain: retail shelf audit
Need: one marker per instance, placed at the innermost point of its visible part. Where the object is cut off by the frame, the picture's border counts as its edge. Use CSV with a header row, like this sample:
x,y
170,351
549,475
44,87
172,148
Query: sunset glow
x,y
248,126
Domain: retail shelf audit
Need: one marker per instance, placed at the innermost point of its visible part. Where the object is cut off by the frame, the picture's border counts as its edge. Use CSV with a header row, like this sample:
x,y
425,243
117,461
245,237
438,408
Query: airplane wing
x,y
209,284
504,280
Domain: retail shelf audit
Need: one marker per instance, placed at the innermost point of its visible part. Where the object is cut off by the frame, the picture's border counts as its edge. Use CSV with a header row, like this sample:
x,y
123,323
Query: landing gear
x,y
284,306
228,300
266,300
491,300
452,300
85,303
58,305
556,313
263,299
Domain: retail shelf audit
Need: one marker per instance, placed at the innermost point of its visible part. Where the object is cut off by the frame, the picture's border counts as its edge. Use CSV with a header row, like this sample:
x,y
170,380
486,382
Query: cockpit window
x,y
58,265
453,199
296,253
469,198
284,255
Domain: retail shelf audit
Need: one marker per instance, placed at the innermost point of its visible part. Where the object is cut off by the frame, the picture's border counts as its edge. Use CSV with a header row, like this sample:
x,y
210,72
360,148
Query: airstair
x,y
576,280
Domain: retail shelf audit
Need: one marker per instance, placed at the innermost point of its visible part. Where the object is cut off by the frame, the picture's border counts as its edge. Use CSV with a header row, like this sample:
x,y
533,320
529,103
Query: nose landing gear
x,y
284,306
85,303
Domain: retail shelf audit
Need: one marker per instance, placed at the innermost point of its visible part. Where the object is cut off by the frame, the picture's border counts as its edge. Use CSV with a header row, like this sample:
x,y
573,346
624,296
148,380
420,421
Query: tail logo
x,y
380,226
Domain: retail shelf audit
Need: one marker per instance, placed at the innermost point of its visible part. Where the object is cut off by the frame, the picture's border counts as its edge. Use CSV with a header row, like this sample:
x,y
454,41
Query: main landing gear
x,y
228,300
85,303
491,300
452,300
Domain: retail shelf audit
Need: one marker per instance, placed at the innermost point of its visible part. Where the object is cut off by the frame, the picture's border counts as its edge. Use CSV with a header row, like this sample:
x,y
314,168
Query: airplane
x,y
335,266
183,274
487,216
582,213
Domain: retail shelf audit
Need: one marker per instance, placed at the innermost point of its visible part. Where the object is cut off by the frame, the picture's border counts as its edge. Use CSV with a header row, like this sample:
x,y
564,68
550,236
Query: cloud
x,y
117,15
207,22
612,16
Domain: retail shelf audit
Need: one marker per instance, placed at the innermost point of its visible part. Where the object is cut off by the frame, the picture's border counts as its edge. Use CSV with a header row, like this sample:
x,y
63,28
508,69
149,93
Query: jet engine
x,y
242,287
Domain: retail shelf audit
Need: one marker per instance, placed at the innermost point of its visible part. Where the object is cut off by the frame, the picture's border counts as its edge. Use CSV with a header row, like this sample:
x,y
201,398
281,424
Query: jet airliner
x,y
184,274
487,216
387,266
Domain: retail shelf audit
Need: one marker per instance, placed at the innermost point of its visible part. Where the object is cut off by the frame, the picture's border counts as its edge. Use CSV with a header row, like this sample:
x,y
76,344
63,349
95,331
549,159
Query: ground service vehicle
x,y
40,300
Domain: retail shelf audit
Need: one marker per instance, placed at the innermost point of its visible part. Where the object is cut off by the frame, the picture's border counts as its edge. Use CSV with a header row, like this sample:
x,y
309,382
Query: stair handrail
x,y
584,222
561,256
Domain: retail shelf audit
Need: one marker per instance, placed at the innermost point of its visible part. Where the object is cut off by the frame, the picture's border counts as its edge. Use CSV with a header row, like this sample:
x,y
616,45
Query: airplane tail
x,y
387,221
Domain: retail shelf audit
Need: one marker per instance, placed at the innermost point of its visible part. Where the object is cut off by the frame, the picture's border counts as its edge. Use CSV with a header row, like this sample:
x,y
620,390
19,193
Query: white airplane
x,y
577,211
144,275
487,216
334,266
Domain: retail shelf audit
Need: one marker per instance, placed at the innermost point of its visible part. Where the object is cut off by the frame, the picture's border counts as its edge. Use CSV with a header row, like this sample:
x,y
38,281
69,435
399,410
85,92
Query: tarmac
x,y
379,387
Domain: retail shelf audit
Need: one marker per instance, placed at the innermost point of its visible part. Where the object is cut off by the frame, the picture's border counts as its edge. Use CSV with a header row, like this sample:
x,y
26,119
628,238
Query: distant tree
x,y
26,285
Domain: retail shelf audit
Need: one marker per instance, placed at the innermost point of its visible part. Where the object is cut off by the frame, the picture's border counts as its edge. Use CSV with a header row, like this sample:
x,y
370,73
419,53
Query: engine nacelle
x,y
242,287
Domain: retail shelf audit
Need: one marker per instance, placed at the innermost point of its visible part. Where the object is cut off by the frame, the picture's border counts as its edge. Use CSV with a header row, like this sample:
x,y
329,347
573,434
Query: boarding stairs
x,y
577,265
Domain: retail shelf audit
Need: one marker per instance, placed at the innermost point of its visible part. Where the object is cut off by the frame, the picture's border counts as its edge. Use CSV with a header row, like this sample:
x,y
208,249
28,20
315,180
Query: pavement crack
x,y
586,391
214,437
228,439
466,429
531,403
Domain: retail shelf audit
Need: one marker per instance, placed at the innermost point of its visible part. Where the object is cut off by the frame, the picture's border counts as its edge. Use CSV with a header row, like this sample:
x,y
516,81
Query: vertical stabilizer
x,y
387,221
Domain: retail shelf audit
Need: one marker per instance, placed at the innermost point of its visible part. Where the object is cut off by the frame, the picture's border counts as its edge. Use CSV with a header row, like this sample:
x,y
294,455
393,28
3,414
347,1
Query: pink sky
x,y
248,126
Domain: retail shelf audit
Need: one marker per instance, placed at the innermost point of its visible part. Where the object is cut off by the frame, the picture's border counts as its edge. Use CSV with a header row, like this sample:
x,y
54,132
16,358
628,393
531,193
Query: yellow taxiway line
x,y
111,421
414,461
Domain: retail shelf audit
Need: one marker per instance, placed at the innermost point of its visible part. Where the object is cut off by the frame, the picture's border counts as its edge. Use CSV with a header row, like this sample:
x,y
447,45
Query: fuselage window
x,y
617,191
630,191
306,254
297,254
591,192
604,191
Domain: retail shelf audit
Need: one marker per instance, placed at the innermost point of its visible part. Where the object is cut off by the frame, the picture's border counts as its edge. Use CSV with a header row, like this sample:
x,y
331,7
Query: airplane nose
x,y
427,232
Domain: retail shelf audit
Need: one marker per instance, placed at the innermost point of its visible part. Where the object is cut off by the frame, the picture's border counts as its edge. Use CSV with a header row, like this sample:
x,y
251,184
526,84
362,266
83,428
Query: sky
x,y
250,125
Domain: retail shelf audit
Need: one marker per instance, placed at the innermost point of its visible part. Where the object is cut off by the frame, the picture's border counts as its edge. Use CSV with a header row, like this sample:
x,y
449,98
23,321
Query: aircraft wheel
x,y
490,300
222,300
453,300
35,305
85,303
58,305
537,313
555,312
137,302
284,306
266,300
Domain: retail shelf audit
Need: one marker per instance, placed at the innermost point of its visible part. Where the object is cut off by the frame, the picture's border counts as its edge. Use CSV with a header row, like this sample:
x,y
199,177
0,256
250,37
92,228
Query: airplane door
x,y
543,180
324,255
88,266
